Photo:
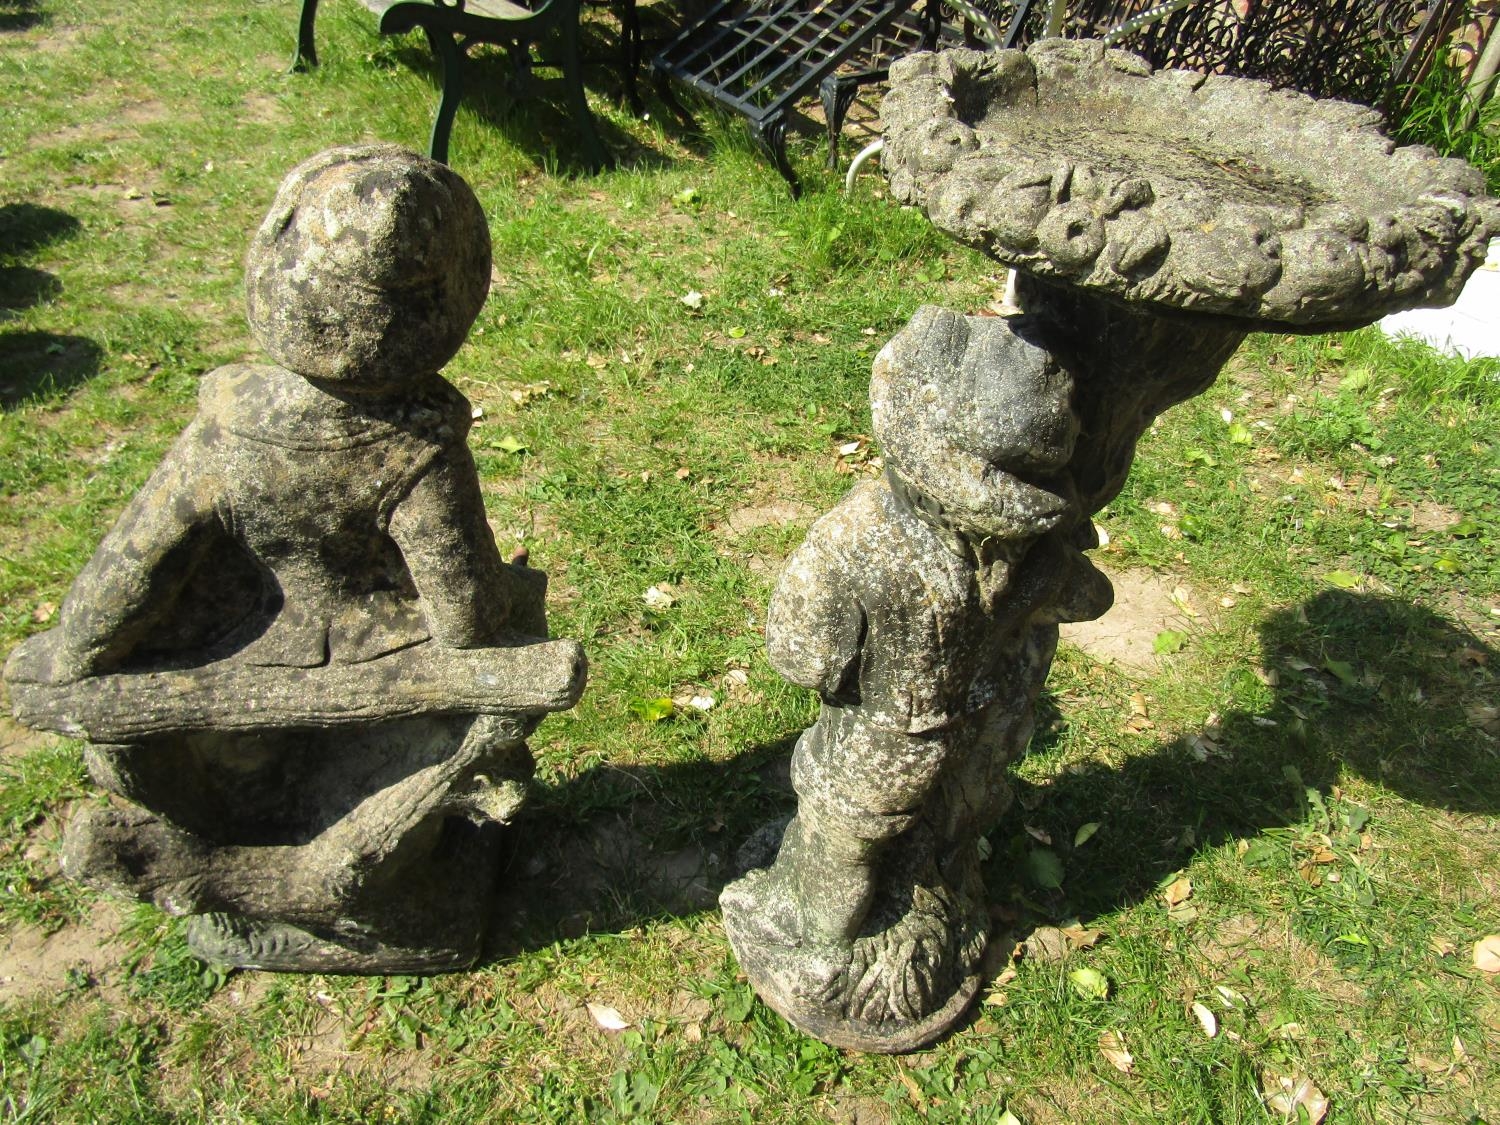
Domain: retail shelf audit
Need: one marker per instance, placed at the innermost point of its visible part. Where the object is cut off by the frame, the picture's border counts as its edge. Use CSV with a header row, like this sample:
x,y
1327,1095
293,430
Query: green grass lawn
x,y
1285,833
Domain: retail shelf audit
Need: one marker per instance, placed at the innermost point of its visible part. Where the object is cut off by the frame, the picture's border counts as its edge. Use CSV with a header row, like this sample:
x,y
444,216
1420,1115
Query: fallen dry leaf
x,y
661,596
913,1091
1139,705
736,683
1040,835
1487,954
1485,716
608,1018
1182,913
1179,891
1112,1047
1284,1095
1080,938
1047,944
996,995
529,392
1231,998
1183,600
1206,1020
43,613
1441,946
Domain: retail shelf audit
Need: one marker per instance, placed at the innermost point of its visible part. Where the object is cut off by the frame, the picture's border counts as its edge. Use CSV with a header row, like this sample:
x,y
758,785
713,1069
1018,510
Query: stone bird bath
x,y
1156,218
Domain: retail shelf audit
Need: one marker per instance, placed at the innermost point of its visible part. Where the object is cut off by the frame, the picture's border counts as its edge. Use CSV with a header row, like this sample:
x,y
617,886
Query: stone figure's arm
x,y
140,567
815,625
468,593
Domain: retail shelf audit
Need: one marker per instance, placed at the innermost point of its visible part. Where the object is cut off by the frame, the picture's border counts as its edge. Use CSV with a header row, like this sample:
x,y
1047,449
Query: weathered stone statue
x,y
1157,218
302,667
923,610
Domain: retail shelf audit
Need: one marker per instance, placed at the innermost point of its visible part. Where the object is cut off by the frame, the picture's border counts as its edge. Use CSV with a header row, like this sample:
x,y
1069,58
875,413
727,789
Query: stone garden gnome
x,y
923,610
302,666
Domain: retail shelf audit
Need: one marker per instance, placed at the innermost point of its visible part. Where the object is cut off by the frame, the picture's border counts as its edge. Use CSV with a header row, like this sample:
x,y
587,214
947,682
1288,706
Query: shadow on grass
x,y
18,15
1372,685
43,363
530,109
36,363
1375,685
26,228
620,845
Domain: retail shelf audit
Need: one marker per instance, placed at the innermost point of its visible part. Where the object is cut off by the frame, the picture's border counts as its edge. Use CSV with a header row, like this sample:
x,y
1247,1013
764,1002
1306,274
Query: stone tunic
x,y
319,527
888,625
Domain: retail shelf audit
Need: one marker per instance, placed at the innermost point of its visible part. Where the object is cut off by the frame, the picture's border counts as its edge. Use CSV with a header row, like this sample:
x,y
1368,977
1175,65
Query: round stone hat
x,y
369,268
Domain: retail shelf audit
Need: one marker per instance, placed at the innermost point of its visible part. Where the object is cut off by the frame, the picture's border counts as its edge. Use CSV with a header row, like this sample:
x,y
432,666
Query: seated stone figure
x,y
298,657
923,610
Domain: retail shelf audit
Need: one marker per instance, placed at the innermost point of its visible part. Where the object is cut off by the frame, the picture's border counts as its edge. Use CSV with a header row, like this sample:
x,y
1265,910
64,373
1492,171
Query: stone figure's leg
x,y
342,839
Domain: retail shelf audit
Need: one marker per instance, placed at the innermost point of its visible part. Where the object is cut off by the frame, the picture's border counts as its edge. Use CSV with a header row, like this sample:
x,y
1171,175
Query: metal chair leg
x,y
446,45
307,49
837,96
771,136
596,155
630,35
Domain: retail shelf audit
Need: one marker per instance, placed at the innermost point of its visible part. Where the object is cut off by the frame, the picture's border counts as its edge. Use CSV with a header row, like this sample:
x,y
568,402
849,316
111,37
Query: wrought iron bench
x,y
452,26
759,58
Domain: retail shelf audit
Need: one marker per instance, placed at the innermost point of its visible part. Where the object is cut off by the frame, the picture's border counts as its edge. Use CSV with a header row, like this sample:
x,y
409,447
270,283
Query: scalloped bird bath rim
x,y
1206,194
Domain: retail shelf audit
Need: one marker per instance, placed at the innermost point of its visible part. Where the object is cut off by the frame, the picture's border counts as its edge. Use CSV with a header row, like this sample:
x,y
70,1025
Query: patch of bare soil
x,y
57,39
1065,1102
15,740
321,1054
858,1110
34,963
1125,635
121,124
585,875
1244,935
743,522
773,513
136,203
262,109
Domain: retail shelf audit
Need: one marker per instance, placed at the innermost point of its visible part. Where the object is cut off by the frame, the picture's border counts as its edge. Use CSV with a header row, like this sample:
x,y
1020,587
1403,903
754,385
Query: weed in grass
x,y
1442,114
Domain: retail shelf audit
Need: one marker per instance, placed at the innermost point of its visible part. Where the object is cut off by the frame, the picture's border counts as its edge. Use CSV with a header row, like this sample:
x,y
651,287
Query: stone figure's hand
x,y
44,659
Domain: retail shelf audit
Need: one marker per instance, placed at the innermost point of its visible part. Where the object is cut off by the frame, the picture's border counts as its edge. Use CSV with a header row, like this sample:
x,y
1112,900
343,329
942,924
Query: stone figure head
x,y
369,269
977,421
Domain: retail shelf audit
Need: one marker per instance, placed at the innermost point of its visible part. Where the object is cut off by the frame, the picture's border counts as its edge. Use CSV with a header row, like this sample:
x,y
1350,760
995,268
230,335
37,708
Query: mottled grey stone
x,y
305,672
1157,218
1213,194
923,610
